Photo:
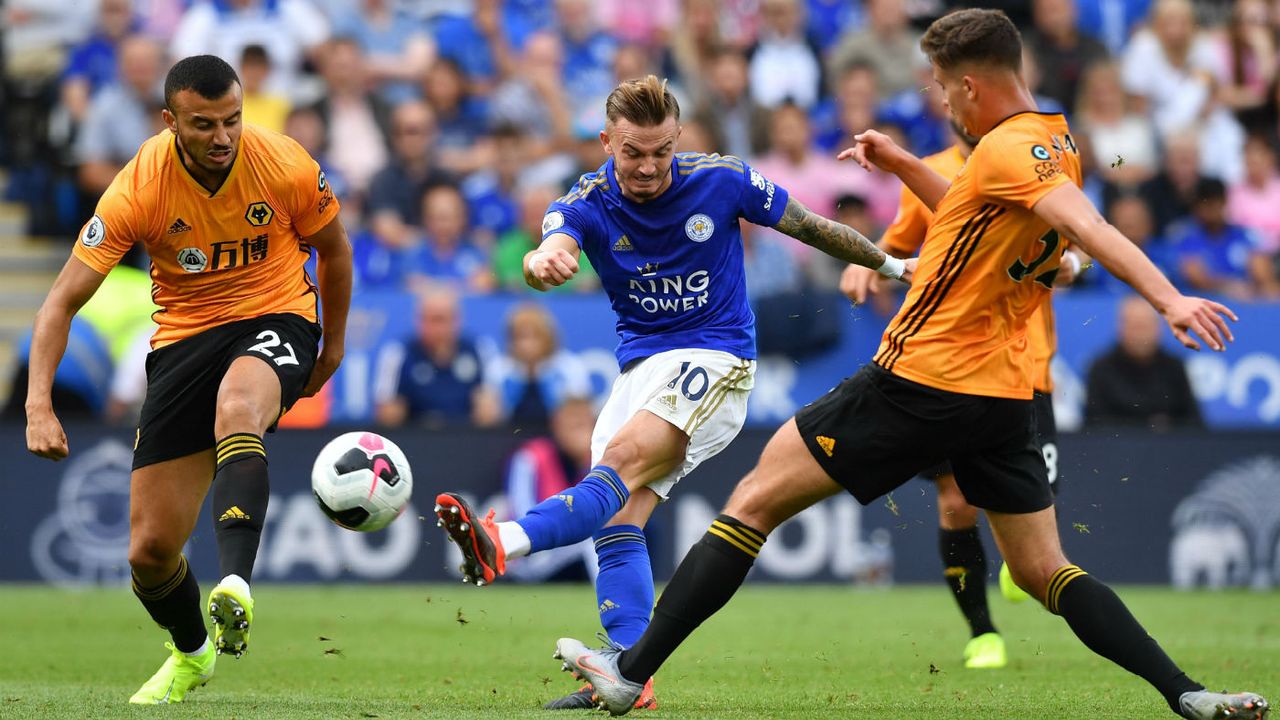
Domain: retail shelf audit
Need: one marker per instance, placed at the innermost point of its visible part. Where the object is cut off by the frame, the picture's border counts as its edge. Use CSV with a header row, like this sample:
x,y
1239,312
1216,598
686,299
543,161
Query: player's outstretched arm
x,y
840,241
333,271
1069,211
76,283
876,149
553,263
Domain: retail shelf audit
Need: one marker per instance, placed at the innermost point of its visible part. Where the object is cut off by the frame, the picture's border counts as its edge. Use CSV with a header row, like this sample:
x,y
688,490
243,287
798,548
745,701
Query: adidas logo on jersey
x,y
669,401
235,513
623,244
178,226
608,605
827,444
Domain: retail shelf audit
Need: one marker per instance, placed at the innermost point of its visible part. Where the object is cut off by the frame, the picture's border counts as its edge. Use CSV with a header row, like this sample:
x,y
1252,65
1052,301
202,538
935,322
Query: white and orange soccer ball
x,y
362,481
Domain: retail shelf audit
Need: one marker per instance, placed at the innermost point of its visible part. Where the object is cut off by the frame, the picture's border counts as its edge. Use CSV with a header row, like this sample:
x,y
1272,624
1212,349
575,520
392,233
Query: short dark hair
x,y
255,54
646,102
1210,188
985,37
208,75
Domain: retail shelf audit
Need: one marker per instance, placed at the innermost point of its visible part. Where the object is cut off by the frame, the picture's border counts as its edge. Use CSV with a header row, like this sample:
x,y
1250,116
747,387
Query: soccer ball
x,y
362,481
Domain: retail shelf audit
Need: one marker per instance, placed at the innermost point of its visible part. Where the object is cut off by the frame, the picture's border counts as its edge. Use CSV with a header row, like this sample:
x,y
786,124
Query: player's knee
x,y
750,505
149,553
636,467
1033,575
237,412
954,512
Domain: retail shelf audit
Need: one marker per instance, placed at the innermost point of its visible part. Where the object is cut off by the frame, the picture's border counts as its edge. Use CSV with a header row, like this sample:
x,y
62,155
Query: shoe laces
x,y
608,643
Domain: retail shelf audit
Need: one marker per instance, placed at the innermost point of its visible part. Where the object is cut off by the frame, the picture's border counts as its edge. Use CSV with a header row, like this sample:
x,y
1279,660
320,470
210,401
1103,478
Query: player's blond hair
x,y
645,101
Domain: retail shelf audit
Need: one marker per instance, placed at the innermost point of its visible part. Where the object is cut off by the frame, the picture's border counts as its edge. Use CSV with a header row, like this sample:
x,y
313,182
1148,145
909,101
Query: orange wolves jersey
x,y
987,265
905,236
216,257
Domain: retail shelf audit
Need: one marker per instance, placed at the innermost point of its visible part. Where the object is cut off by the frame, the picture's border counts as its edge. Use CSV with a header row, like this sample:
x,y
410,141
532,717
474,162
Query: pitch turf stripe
x,y
718,390
933,294
946,284
613,485
896,333
1058,583
732,541
737,533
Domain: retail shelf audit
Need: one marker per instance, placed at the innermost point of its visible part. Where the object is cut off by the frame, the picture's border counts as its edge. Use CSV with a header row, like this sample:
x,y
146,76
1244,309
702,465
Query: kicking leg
x,y
164,502
785,481
964,565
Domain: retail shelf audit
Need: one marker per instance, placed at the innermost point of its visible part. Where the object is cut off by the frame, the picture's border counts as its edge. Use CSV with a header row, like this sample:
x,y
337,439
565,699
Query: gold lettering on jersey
x,y
259,214
235,253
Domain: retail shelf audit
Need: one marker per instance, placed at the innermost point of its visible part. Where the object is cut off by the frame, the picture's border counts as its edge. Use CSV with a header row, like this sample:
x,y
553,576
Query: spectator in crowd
x,y
920,112
695,137
121,116
1137,382
1111,21
1248,55
394,204
305,126
1061,49
1130,215
461,120
888,43
534,376
397,47
478,42
1171,193
739,124
447,255
546,466
784,65
491,192
770,269
853,105
357,119
1254,202
292,31
261,107
829,20
1215,256
695,43
434,378
1122,144
647,24
92,63
588,50
513,245
1171,67
534,97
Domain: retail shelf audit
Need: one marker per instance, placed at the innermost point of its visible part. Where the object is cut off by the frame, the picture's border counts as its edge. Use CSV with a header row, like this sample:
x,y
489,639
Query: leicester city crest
x,y
699,228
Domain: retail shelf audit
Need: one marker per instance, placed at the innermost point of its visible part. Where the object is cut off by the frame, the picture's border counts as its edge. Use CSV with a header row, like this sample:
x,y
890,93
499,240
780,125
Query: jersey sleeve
x,y
905,235
1021,168
312,204
566,218
114,227
762,202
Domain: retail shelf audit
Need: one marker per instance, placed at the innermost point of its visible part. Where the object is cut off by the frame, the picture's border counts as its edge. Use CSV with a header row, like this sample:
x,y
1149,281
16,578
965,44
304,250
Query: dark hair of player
x,y
985,37
645,102
209,76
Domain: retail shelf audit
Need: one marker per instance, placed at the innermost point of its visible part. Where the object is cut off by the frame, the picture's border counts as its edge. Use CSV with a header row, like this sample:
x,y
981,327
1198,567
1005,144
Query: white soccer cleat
x,y
612,692
1205,705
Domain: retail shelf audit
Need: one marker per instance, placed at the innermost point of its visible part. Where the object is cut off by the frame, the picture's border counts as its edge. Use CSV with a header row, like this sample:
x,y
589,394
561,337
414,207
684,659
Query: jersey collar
x,y
608,171
186,173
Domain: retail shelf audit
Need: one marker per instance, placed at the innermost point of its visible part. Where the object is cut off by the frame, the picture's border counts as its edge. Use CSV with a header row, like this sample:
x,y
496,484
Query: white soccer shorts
x,y
702,392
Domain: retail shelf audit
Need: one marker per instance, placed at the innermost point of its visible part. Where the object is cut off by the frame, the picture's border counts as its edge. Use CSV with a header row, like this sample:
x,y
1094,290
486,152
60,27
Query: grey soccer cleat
x,y
600,668
1205,705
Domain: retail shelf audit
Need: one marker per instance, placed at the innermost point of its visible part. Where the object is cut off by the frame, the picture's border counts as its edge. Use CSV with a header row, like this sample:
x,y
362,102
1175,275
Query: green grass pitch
x,y
777,652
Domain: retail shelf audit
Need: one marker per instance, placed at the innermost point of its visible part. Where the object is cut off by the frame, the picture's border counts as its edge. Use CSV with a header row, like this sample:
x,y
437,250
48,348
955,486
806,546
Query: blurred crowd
x,y
447,126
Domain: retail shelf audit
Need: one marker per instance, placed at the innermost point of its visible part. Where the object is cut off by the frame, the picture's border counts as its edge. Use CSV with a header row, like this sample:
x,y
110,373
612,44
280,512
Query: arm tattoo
x,y
838,241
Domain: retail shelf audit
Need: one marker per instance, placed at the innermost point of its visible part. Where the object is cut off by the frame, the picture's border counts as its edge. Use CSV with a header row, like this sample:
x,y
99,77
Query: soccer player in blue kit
x,y
661,229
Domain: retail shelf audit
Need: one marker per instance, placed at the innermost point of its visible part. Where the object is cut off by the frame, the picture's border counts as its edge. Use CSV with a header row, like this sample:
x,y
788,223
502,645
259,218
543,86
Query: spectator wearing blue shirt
x,y
588,51
1111,21
1130,215
447,255
535,376
435,377
92,64
461,119
398,48
1215,256
394,204
491,193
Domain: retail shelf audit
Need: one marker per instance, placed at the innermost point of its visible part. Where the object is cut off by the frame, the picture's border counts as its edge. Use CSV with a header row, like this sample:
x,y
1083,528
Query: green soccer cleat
x,y
985,652
231,610
1009,589
179,675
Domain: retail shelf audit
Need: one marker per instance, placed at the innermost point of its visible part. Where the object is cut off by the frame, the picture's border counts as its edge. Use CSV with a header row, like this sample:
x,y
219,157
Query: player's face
x,y
208,130
642,156
957,93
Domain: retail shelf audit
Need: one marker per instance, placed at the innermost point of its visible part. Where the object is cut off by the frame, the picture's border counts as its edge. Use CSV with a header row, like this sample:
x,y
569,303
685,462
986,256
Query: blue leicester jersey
x,y
672,266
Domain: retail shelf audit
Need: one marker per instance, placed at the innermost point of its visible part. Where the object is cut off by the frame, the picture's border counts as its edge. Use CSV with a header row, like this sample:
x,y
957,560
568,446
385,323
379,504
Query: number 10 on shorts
x,y
695,382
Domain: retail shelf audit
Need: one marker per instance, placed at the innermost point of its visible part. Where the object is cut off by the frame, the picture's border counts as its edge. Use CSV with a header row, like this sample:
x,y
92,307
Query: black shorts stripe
x,y
896,334
971,244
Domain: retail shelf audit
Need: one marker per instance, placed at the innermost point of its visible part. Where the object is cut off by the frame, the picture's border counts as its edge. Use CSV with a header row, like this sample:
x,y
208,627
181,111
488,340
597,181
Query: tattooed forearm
x,y
832,238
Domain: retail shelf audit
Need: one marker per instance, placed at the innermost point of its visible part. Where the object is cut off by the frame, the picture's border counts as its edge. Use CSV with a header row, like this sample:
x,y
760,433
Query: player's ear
x,y
170,121
604,141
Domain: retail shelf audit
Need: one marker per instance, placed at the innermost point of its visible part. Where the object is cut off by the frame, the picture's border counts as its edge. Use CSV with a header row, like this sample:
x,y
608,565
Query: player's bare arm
x,y
1069,211
552,264
840,241
333,276
859,283
76,283
875,149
